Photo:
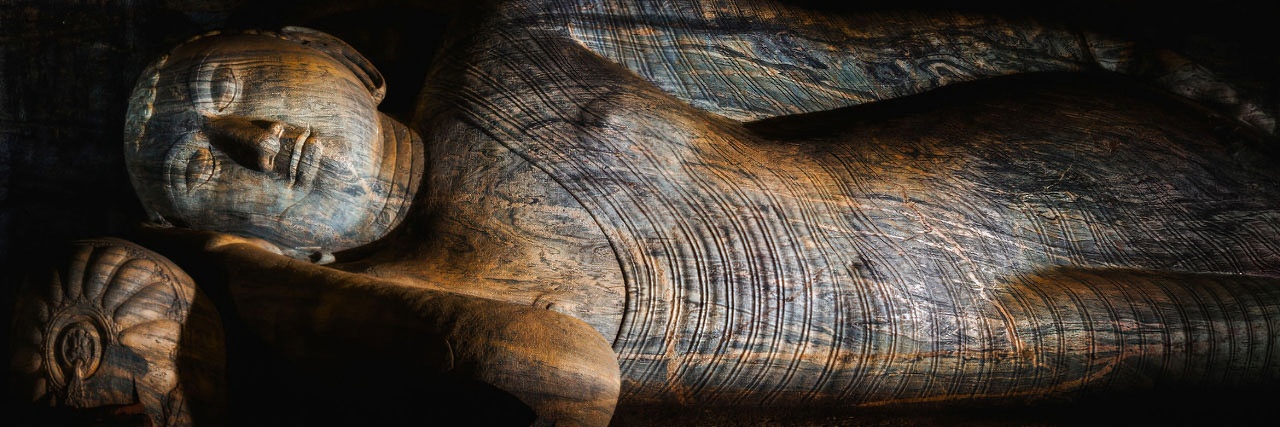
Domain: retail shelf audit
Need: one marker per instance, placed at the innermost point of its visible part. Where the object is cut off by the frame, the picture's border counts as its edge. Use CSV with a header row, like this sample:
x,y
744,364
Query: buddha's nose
x,y
253,143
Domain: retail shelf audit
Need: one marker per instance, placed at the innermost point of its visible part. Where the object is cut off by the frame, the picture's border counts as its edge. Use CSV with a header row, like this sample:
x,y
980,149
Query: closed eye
x,y
224,87
201,167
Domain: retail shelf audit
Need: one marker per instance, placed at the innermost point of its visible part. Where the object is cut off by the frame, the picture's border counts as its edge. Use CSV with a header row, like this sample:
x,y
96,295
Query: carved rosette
x,y
117,325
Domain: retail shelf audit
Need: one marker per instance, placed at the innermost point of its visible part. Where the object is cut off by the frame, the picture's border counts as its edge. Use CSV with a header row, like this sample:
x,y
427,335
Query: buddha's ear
x,y
344,53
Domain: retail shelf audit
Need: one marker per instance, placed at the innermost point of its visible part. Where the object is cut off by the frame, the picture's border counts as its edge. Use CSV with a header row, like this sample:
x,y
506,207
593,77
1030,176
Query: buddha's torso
x,y
867,262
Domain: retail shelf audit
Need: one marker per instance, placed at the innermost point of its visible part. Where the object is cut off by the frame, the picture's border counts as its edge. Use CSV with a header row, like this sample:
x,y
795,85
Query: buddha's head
x,y
274,135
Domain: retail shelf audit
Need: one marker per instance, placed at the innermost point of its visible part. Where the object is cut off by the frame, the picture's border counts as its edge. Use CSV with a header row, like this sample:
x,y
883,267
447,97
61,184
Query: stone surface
x,y
67,81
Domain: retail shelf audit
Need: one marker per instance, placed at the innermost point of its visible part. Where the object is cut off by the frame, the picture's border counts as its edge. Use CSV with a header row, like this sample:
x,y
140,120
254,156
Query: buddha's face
x,y
254,135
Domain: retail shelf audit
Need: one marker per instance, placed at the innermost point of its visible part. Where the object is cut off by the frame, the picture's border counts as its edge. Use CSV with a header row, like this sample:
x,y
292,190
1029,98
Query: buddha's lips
x,y
297,159
306,164
294,171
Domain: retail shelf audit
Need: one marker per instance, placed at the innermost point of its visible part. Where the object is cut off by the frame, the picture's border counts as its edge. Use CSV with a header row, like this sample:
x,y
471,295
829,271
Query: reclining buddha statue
x,y
721,204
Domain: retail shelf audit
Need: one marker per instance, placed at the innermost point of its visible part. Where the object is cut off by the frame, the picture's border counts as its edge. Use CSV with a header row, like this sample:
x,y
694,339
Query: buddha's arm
x,y
750,59
335,321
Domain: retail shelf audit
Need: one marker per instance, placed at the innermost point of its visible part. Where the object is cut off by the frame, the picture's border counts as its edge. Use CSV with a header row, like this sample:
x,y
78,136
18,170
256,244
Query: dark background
x,y
67,67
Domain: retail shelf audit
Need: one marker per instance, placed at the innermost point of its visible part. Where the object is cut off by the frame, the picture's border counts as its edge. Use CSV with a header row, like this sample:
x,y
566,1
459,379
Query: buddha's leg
x,y
117,333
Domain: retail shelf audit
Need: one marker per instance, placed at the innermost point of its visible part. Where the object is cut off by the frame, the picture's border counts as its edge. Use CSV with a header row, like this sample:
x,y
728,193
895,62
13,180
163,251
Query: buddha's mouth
x,y
300,162
296,156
